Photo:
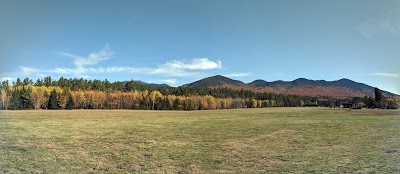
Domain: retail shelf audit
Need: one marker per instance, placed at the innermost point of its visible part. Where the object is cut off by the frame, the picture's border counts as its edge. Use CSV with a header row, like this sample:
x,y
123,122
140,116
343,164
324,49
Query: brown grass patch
x,y
285,132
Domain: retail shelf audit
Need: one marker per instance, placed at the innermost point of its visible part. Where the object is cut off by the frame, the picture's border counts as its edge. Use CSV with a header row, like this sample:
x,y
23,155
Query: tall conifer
x,y
53,103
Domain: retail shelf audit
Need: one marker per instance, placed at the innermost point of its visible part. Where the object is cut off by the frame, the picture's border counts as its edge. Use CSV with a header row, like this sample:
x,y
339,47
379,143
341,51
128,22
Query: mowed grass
x,y
271,140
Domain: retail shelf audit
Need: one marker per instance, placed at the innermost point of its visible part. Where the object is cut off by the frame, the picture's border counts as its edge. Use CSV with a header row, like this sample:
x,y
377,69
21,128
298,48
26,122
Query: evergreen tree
x,y
47,81
190,106
18,83
26,81
39,82
378,97
26,98
167,104
200,106
5,85
176,104
53,103
15,102
70,103
129,86
370,102
107,84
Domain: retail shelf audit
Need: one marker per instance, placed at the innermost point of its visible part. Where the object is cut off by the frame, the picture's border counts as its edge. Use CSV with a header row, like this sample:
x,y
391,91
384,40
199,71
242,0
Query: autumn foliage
x,y
87,94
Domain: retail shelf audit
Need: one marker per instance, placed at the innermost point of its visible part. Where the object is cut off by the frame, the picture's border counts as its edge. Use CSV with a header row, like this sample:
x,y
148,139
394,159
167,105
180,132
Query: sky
x,y
178,42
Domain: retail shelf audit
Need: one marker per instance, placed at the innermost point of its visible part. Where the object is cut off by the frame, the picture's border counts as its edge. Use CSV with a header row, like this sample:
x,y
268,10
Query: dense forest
x,y
64,93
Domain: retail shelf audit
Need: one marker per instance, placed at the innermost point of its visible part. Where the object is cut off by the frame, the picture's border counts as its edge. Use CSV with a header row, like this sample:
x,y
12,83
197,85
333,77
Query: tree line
x,y
64,93
379,101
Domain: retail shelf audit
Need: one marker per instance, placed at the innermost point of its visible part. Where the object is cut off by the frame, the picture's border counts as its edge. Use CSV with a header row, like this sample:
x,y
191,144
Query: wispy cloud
x,y
117,69
6,78
29,70
85,66
194,64
237,75
23,71
380,26
92,59
164,71
171,72
100,70
388,75
170,81
178,68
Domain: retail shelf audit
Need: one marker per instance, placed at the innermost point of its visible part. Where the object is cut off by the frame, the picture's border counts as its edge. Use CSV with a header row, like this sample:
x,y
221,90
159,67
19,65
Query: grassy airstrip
x,y
272,140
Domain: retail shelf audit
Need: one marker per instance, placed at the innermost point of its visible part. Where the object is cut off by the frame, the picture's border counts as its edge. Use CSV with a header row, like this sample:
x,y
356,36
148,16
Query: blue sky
x,y
177,42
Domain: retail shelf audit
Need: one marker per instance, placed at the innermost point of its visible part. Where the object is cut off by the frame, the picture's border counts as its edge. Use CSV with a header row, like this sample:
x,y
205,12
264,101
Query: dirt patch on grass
x,y
285,132
173,143
240,144
245,142
195,168
133,166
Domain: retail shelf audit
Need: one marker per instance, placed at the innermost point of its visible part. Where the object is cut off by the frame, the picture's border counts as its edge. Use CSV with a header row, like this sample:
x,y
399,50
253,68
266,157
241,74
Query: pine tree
x,y
26,98
370,102
70,103
190,106
167,104
15,102
129,86
18,83
47,81
176,104
378,97
200,106
53,103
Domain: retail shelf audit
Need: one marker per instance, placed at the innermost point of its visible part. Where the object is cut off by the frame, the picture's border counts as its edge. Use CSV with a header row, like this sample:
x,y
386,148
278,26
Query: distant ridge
x,y
304,87
139,82
214,81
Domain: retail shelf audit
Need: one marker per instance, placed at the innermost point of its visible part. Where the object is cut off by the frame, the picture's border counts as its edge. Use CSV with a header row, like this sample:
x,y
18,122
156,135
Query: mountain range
x,y
139,82
342,88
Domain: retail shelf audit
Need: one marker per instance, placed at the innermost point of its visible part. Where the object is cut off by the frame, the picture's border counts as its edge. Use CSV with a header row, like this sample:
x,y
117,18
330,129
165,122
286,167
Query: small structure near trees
x,y
347,105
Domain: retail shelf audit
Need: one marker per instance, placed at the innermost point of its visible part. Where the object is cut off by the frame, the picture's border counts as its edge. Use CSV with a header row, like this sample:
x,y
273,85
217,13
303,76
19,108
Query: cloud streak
x,y
85,66
192,68
92,59
170,81
387,75
380,26
6,78
83,70
194,64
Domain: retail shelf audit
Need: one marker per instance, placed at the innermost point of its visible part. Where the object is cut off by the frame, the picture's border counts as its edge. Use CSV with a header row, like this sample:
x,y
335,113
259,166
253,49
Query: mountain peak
x,y
139,82
215,81
218,76
302,80
344,79
259,83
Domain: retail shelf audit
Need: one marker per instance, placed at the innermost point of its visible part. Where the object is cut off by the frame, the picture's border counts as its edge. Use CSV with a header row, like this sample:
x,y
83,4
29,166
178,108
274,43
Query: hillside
x,y
214,81
139,82
304,87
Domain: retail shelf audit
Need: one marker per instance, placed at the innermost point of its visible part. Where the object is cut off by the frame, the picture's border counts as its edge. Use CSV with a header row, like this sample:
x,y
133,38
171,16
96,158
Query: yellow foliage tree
x,y
5,99
153,96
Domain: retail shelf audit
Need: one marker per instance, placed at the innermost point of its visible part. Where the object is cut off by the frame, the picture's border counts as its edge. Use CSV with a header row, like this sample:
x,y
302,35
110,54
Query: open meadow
x,y
271,140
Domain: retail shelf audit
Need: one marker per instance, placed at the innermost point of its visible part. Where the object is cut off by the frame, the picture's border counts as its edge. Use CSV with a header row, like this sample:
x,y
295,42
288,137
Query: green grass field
x,y
272,140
